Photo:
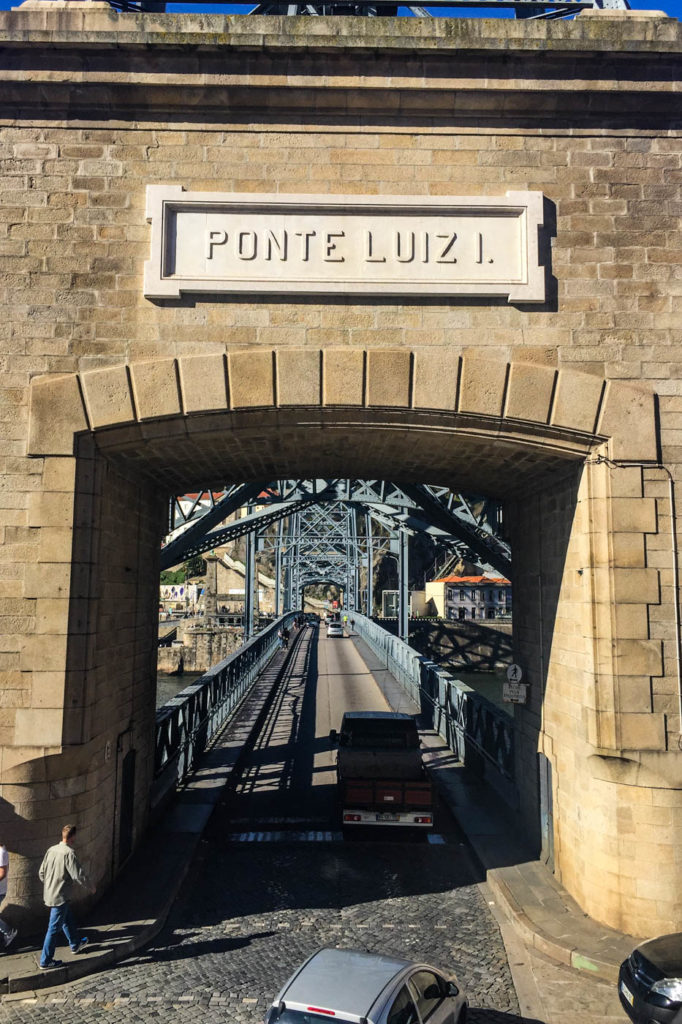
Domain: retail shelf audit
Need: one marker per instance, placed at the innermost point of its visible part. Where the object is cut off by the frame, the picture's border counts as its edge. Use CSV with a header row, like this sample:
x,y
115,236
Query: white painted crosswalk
x,y
307,836
287,836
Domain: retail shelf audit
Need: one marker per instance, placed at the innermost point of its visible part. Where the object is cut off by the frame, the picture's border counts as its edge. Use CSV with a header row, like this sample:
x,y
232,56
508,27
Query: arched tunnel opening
x,y
124,484
554,480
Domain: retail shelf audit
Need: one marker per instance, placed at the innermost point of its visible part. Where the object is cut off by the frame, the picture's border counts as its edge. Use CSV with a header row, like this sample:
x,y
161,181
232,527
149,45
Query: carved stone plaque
x,y
235,243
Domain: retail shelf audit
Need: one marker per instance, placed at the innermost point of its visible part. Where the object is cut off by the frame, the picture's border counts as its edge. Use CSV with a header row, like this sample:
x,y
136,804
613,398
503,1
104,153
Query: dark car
x,y
650,981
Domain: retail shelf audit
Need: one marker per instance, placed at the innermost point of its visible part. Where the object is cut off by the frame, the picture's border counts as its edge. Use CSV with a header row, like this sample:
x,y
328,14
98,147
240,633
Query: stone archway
x,y
125,436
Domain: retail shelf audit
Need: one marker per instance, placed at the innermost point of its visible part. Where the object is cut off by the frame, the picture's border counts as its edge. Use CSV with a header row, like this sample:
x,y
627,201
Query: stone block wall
x,y
88,666
489,396
600,643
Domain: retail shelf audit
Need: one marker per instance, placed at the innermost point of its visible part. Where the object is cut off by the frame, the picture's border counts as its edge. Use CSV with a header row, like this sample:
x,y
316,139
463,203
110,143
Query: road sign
x,y
514,673
515,693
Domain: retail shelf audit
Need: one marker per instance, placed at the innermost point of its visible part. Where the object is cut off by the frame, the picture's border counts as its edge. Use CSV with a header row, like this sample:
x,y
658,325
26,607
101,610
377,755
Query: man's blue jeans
x,y
61,919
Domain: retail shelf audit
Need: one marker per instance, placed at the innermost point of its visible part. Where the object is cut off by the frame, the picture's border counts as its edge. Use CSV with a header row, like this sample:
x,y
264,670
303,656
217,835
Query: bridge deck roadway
x,y
271,882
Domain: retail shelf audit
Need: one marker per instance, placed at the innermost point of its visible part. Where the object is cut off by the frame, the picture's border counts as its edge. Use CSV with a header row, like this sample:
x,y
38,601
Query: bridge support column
x,y
249,585
211,594
403,586
595,631
370,566
278,569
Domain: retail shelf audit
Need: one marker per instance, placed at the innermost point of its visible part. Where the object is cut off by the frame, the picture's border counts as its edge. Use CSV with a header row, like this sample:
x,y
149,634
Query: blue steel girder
x,y
234,498
483,543
254,521
276,491
446,516
322,544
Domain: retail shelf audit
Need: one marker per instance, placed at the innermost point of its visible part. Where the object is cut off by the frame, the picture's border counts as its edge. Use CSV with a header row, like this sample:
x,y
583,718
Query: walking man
x,y
7,934
60,868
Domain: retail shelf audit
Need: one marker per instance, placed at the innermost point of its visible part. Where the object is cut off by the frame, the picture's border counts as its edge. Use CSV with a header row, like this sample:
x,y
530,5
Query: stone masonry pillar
x,y
211,594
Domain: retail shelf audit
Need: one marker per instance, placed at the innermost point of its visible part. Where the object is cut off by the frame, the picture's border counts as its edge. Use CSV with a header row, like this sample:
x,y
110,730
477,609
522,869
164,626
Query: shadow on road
x,y
483,1015
187,947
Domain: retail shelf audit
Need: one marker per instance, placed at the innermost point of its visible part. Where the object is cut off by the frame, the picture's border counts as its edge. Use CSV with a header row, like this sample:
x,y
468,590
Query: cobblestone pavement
x,y
251,913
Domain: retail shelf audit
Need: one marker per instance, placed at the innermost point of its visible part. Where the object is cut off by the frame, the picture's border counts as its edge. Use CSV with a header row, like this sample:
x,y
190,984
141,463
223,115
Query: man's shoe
x,y
82,943
50,965
9,939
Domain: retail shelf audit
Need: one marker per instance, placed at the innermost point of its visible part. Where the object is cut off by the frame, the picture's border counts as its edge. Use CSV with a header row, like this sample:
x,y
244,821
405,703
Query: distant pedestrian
x,y
352,625
280,637
7,934
60,868
285,634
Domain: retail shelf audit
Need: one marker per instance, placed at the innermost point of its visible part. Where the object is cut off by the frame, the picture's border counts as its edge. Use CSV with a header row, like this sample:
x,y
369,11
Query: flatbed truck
x,y
380,774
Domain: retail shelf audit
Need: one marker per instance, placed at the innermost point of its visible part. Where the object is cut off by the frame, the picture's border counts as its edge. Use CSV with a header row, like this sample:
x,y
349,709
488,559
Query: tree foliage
x,y
172,576
195,566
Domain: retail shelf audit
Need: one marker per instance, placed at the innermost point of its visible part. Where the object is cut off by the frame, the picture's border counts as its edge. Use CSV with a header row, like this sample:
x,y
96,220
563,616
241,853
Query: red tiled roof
x,y
495,581
193,495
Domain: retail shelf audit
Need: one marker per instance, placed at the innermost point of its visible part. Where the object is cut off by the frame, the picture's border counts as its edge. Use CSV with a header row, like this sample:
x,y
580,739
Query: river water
x,y
168,686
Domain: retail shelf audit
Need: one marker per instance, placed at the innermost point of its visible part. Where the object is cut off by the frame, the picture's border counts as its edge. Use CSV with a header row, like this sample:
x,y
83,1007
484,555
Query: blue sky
x,y
671,7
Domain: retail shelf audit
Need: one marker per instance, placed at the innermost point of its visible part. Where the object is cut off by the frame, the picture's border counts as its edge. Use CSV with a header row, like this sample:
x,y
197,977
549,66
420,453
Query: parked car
x,y
334,629
650,981
370,988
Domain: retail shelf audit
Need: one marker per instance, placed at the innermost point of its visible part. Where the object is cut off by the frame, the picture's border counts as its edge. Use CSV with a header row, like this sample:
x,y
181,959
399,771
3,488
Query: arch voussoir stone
x,y
251,378
628,419
388,377
383,378
155,388
529,392
299,376
56,414
108,397
343,371
436,377
482,386
577,401
203,382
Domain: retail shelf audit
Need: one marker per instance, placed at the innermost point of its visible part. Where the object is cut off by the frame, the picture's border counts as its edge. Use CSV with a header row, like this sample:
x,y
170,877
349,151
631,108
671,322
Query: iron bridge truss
x,y
324,531
527,9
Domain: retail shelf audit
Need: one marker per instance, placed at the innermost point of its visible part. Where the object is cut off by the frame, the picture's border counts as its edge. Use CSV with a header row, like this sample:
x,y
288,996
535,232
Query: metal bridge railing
x,y
187,723
478,732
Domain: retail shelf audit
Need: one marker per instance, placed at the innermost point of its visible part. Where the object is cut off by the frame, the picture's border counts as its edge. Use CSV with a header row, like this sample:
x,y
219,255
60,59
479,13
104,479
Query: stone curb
x,y
567,954
25,985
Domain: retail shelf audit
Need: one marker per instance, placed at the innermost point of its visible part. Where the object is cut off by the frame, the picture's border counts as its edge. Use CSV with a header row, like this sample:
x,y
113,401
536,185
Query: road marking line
x,y
286,837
